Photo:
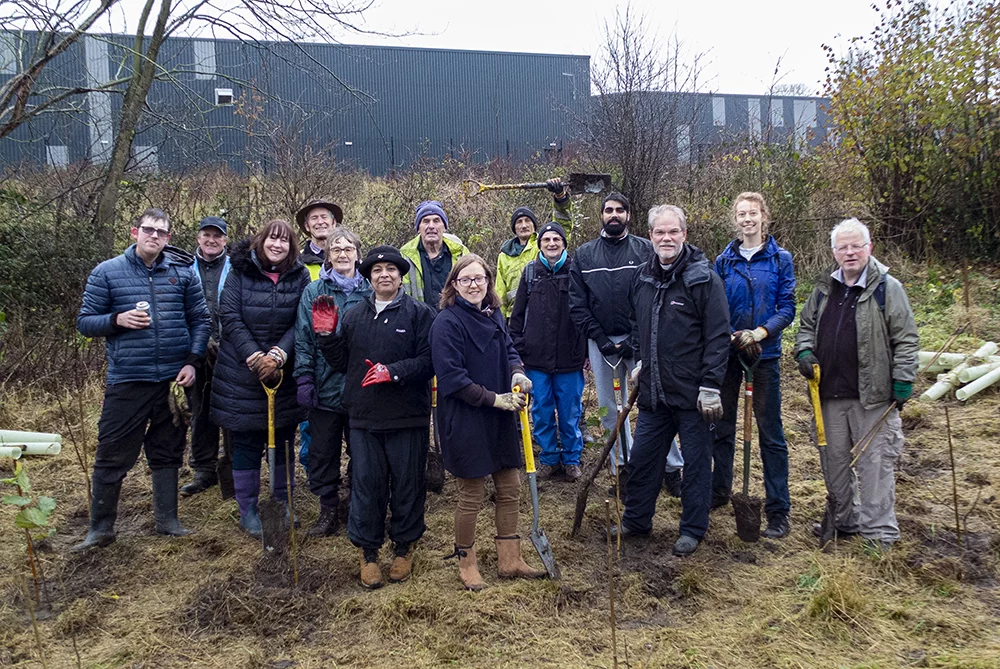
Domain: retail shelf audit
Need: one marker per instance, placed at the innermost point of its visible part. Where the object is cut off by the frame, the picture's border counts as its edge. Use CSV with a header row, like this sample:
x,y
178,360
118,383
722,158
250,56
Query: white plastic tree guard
x,y
947,381
18,437
12,452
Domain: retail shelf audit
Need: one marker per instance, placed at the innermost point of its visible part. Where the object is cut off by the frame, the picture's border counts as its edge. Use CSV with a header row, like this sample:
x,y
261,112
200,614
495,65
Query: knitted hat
x,y
552,227
428,208
518,213
383,254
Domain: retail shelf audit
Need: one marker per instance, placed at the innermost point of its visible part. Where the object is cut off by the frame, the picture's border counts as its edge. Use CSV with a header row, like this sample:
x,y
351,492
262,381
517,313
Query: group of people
x,y
348,343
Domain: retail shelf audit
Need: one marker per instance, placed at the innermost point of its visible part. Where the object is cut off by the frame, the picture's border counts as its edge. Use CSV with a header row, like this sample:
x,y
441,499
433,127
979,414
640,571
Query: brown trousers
x,y
470,499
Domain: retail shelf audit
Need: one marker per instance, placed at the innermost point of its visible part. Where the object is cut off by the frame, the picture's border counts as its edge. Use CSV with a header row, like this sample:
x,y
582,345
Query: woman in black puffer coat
x,y
257,308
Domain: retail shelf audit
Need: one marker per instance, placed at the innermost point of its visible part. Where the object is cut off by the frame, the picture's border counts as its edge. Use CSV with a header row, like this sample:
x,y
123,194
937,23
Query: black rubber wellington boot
x,y
103,513
165,503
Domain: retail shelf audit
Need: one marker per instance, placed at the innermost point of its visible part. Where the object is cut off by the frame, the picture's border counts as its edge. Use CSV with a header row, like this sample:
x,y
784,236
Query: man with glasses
x,y
431,254
858,327
212,261
149,306
602,272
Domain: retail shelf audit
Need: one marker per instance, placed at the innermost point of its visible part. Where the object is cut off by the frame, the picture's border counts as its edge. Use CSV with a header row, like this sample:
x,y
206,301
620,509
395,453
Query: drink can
x,y
143,306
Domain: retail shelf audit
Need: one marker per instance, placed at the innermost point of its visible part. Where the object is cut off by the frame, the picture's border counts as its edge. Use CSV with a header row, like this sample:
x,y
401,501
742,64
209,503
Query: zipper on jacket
x,y
156,321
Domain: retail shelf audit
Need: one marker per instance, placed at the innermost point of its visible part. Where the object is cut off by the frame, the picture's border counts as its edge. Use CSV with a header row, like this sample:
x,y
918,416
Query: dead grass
x,y
209,600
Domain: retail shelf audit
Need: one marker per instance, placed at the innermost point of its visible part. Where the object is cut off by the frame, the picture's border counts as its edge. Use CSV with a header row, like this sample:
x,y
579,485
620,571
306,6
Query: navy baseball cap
x,y
212,222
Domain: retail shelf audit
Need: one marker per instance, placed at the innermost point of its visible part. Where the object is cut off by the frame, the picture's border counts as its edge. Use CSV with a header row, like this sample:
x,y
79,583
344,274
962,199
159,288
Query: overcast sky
x,y
743,40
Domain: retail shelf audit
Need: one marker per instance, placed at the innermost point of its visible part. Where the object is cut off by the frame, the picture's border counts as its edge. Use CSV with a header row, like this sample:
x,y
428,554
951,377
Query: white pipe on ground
x,y
18,437
948,381
979,384
972,373
12,452
39,448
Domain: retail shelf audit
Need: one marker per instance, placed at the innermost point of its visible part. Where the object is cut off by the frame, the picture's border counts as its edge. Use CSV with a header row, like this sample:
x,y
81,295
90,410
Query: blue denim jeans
x,y
553,394
770,432
654,433
305,438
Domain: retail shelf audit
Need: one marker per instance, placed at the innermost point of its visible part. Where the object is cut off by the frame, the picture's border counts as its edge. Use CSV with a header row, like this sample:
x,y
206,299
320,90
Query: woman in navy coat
x,y
477,367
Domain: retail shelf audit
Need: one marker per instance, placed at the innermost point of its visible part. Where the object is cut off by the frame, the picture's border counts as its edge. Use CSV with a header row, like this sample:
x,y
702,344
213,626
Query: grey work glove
x,y
710,404
519,379
510,401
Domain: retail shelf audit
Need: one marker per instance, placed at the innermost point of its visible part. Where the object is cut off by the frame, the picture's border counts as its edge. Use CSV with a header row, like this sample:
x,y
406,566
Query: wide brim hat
x,y
383,254
300,215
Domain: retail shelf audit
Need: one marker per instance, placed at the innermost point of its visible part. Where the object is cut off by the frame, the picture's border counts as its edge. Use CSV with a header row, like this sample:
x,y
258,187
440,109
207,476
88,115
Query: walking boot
x,y
371,575
777,527
203,480
246,483
328,522
468,570
402,564
103,512
510,564
165,503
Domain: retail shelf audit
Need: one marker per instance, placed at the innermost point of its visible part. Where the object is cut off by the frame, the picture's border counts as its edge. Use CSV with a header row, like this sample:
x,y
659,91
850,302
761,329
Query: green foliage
x,y
34,512
915,107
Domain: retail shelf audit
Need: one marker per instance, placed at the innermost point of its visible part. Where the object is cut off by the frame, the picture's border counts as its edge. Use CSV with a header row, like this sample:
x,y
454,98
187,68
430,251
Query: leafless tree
x,y
643,105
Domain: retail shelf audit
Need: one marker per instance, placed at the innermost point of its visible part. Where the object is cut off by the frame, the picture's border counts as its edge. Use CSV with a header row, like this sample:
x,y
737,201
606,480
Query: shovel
x,y
224,467
274,514
827,528
578,183
745,507
538,537
434,472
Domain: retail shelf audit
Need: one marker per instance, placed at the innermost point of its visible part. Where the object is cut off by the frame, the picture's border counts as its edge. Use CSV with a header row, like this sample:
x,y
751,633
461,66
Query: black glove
x,y
556,187
626,351
806,361
607,347
750,354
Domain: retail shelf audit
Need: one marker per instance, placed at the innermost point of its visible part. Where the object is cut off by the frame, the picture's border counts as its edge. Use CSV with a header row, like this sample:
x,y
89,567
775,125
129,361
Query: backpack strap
x,y
529,277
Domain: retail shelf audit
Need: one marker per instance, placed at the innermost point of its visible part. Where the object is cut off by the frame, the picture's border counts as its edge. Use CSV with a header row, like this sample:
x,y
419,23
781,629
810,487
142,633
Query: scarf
x,y
559,263
348,285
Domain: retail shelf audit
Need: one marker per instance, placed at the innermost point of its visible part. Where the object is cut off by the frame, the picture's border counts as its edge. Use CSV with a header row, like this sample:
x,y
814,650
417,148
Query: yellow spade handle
x,y
271,392
817,410
529,454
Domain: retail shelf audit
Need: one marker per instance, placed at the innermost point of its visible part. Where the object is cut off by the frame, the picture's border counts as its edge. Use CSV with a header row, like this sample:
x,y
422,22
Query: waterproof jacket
x,y
761,291
543,333
308,359
397,338
256,314
887,338
682,326
514,258
213,275
603,270
413,281
180,324
313,261
472,347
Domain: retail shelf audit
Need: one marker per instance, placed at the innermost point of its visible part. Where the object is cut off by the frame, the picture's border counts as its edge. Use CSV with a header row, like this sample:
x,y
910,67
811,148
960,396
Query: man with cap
x,y
430,254
519,251
316,220
382,347
212,261
602,272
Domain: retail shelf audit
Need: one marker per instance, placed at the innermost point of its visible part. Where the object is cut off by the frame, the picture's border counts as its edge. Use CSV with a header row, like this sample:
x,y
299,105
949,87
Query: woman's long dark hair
x,y
449,293
278,229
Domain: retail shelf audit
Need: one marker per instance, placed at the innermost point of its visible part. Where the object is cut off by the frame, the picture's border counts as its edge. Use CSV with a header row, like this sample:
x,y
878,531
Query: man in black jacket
x,y
600,276
382,347
681,326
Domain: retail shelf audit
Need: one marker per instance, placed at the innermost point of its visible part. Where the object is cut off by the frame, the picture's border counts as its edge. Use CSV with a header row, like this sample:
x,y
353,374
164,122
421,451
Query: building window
x,y
753,117
805,118
684,144
10,53
57,157
719,112
777,113
204,59
223,96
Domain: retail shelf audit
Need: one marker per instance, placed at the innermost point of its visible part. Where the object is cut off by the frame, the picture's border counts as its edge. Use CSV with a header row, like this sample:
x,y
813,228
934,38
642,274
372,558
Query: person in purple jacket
x,y
760,285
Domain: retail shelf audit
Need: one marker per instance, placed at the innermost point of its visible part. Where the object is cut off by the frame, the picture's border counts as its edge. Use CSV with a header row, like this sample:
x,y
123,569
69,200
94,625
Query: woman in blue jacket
x,y
257,310
760,285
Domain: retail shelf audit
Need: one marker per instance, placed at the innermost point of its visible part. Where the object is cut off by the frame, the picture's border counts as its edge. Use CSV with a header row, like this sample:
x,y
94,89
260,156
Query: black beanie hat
x,y
518,213
552,227
617,197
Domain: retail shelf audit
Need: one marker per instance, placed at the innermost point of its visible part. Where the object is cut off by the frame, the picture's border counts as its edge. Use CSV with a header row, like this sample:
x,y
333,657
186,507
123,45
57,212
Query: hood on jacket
x,y
172,255
732,251
691,269
513,247
244,260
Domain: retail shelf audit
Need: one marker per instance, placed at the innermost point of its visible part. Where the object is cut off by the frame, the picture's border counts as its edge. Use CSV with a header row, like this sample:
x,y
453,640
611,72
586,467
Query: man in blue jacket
x,y
149,306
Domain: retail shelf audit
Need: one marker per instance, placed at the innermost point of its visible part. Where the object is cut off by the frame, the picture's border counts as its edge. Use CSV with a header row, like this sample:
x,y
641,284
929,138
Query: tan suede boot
x,y
468,570
371,575
510,564
401,567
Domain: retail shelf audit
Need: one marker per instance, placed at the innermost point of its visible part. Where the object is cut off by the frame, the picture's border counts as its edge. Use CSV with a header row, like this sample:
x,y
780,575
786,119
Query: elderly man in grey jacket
x,y
857,325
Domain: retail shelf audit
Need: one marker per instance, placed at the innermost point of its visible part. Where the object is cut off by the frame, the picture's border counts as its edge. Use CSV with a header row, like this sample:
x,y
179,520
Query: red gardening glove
x,y
325,314
377,373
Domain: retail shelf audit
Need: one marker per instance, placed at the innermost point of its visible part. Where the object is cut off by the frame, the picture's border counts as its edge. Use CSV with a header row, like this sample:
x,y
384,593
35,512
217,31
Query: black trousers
x,y
250,447
388,470
204,434
328,430
136,416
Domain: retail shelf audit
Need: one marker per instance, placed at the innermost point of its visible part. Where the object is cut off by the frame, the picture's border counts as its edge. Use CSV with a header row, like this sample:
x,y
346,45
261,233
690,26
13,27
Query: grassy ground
x,y
211,601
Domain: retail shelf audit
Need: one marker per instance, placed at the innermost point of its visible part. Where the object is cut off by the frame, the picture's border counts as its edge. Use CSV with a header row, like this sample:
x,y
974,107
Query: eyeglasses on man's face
x,y
466,281
850,247
150,231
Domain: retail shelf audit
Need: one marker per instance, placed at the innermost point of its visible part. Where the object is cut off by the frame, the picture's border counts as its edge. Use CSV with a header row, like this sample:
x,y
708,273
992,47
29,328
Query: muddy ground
x,y
211,600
